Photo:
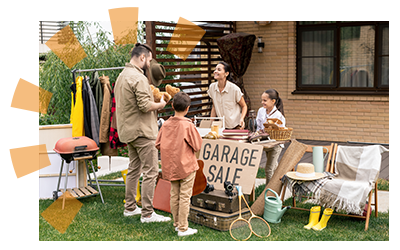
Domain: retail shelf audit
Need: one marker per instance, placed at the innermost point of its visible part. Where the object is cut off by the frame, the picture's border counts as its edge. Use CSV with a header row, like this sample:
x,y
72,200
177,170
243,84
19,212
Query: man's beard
x,y
145,67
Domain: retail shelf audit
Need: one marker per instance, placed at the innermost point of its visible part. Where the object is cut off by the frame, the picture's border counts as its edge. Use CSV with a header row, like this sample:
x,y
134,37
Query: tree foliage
x,y
56,77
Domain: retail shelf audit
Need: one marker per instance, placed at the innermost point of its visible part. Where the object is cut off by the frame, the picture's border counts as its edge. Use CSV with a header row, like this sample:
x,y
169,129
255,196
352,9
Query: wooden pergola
x,y
195,74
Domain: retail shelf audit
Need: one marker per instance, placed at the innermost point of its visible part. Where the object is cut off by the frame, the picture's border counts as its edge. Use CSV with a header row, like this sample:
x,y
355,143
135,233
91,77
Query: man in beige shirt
x,y
136,114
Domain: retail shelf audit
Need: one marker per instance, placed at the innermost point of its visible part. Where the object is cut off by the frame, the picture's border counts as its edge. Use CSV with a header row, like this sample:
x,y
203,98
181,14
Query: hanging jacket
x,y
76,118
97,91
86,110
105,110
94,117
113,137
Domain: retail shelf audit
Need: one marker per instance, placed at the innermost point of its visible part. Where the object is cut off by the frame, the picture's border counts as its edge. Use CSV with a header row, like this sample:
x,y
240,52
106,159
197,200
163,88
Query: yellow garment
x,y
138,195
76,118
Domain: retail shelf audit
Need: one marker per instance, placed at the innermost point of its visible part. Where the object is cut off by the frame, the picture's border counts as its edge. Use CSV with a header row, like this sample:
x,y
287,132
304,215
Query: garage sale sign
x,y
231,161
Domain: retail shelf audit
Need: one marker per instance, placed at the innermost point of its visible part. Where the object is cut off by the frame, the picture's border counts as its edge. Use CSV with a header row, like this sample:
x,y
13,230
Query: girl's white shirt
x,y
262,117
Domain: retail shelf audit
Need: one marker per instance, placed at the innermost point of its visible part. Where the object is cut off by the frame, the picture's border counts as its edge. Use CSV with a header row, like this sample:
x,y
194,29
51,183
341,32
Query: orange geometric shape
x,y
44,100
124,22
185,37
61,218
66,46
124,14
29,159
30,97
44,160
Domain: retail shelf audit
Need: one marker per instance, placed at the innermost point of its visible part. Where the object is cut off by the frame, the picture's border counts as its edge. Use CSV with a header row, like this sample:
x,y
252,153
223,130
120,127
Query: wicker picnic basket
x,y
279,134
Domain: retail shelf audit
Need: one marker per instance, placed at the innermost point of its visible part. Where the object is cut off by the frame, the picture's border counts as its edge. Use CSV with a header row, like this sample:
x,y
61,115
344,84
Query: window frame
x,y
380,55
377,89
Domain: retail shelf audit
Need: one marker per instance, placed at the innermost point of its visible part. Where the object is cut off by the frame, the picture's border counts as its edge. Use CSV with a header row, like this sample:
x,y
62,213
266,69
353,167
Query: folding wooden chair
x,y
330,167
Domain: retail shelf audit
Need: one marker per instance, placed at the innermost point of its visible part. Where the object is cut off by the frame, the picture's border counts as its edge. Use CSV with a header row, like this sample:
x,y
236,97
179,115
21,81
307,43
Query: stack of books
x,y
235,134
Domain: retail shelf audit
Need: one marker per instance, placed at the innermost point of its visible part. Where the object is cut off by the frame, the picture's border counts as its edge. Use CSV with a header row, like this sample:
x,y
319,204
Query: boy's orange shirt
x,y
178,140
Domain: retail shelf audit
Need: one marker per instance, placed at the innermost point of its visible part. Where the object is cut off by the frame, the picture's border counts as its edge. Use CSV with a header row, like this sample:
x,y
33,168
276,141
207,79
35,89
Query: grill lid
x,y
72,145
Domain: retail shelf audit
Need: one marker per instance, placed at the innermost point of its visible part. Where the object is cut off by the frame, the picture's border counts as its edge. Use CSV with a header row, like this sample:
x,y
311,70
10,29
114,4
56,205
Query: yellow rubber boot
x,y
324,219
314,217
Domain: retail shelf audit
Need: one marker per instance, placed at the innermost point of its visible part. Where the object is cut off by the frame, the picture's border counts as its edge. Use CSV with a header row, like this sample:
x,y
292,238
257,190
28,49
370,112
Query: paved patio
x,y
384,173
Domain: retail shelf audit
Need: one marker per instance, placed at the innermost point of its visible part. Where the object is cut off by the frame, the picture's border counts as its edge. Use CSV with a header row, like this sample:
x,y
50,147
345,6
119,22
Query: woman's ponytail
x,y
230,78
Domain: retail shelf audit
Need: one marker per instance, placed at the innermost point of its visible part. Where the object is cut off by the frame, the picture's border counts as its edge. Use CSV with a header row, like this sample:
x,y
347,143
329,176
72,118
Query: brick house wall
x,y
344,118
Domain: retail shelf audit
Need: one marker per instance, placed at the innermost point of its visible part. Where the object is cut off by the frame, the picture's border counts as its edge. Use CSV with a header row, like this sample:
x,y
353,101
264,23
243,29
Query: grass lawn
x,y
96,221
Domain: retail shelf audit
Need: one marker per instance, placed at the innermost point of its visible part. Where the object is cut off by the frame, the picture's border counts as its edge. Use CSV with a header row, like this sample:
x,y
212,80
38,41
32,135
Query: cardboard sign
x,y
231,161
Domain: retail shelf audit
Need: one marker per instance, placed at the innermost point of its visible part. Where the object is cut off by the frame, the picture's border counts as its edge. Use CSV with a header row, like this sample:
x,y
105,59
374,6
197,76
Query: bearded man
x,y
136,116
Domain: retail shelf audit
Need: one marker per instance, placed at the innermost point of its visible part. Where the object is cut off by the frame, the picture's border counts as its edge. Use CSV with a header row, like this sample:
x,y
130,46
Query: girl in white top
x,y
272,108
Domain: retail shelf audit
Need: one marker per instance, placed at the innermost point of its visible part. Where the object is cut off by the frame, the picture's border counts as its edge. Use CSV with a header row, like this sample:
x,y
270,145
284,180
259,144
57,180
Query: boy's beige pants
x,y
181,191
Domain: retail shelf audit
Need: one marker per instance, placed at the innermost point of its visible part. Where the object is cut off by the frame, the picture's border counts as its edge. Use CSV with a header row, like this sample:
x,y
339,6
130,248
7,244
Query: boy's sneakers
x,y
154,218
189,231
137,210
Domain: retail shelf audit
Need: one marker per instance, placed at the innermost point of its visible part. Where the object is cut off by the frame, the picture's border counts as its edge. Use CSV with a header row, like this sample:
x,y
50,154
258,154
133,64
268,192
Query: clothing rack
x,y
90,70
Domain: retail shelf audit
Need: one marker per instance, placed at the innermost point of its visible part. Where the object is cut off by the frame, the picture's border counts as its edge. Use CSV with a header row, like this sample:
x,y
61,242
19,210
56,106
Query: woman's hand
x,y
243,105
242,124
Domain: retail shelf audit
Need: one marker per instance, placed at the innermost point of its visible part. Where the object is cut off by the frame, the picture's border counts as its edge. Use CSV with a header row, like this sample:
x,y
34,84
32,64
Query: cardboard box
x,y
232,161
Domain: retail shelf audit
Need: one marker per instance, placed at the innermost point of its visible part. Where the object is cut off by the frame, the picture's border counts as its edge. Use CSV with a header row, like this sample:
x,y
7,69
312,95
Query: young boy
x,y
178,140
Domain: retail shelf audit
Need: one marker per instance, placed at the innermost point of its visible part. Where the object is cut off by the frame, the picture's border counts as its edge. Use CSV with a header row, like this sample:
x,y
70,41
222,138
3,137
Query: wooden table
x,y
269,144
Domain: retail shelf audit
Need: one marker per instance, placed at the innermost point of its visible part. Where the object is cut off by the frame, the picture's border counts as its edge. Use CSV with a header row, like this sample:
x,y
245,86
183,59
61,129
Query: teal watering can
x,y
273,208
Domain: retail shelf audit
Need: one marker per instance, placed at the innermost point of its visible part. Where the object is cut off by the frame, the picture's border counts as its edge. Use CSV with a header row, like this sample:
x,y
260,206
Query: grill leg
x,y
59,177
97,183
65,185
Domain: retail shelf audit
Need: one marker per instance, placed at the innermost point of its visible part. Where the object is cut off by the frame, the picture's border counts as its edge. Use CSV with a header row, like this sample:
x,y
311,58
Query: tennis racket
x,y
240,229
259,226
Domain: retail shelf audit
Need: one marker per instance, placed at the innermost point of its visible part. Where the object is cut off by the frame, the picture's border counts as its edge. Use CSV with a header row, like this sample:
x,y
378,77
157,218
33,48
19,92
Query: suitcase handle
x,y
212,203
198,215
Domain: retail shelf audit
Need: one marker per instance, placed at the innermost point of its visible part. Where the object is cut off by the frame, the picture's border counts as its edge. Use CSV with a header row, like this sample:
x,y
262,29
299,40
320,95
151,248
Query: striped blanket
x,y
306,188
356,170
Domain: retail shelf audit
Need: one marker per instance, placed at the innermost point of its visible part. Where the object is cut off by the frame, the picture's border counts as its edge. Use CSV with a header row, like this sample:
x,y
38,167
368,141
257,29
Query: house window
x,y
343,58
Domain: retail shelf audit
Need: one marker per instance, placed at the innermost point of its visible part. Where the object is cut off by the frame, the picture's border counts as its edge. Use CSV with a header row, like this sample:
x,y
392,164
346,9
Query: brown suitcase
x,y
218,200
214,219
